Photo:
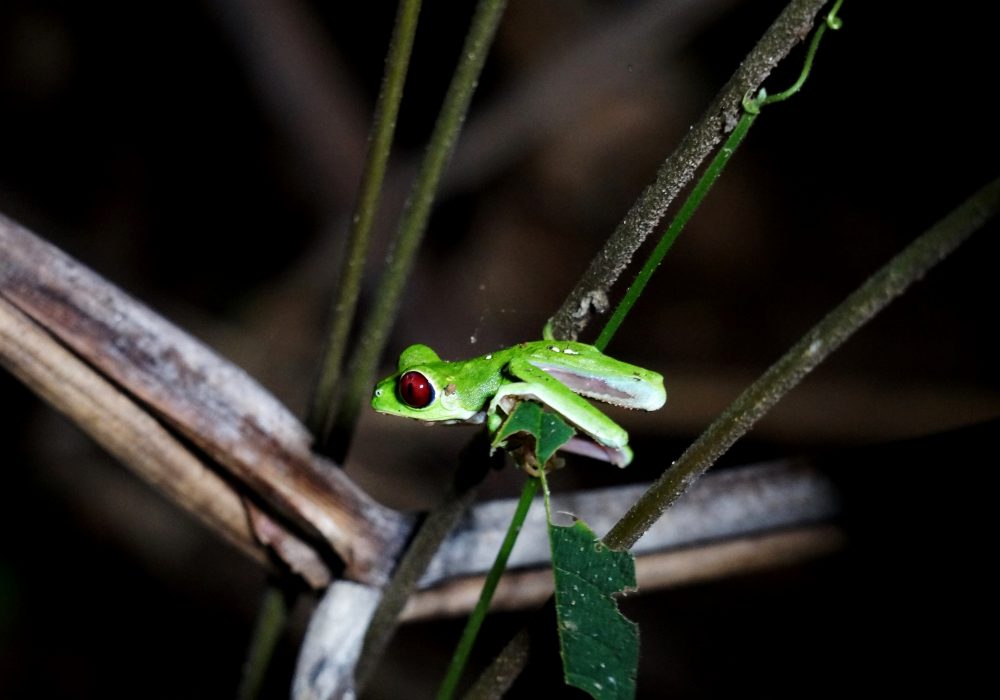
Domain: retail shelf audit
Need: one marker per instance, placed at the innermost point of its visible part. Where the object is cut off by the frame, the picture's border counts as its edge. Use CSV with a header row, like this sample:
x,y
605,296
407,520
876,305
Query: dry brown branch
x,y
120,426
729,504
717,560
333,641
128,432
205,398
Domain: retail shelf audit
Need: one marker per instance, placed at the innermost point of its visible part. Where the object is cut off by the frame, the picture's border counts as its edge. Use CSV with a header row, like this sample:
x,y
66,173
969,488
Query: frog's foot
x,y
618,456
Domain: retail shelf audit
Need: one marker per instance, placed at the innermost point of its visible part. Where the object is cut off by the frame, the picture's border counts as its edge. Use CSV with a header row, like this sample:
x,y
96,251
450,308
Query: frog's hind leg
x,y
610,439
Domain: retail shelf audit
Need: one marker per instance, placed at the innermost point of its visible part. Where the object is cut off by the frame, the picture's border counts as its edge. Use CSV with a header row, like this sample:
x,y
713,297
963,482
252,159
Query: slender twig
x,y
408,235
461,655
430,535
124,428
857,309
499,676
413,221
380,144
591,292
690,206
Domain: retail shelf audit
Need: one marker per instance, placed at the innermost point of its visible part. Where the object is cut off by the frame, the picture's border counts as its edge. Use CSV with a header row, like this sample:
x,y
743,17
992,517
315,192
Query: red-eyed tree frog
x,y
550,372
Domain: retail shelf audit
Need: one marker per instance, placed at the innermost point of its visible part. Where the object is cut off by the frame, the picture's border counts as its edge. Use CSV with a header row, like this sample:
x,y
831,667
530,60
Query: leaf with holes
x,y
599,646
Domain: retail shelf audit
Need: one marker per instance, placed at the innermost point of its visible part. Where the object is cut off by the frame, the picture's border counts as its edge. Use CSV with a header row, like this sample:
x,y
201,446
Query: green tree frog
x,y
550,372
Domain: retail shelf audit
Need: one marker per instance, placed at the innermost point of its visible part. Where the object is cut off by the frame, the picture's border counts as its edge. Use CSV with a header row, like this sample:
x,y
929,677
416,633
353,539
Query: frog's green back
x,y
589,372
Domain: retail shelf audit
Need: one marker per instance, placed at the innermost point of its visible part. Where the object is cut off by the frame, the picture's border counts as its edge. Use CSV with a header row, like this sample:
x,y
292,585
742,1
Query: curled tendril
x,y
752,105
832,20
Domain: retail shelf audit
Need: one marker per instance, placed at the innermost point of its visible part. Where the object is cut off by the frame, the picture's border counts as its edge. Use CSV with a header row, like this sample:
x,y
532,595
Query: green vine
x,y
591,291
751,111
468,638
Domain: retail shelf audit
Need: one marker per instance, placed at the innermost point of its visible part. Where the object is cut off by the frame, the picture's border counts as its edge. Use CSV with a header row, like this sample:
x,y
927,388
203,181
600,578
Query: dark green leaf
x,y
548,430
599,646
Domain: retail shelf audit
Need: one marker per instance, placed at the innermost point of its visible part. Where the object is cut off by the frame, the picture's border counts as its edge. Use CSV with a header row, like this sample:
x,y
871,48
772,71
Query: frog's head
x,y
421,389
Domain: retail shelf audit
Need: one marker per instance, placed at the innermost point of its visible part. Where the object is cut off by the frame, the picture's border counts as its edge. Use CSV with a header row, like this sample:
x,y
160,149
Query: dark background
x,y
181,150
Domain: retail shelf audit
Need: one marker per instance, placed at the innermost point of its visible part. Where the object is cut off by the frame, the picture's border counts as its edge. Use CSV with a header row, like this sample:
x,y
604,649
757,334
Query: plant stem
x,y
708,178
857,309
676,226
379,146
591,292
271,618
432,531
413,222
461,654
830,22
497,678
345,303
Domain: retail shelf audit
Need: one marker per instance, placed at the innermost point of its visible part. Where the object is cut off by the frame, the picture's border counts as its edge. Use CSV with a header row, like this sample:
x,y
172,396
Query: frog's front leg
x,y
609,440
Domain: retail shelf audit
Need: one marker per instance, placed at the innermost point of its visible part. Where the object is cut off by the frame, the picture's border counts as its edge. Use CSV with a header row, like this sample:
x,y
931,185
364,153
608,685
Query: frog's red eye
x,y
415,390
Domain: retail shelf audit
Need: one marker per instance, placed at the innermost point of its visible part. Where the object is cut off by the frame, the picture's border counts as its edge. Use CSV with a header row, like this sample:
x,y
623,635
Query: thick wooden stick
x,y
205,398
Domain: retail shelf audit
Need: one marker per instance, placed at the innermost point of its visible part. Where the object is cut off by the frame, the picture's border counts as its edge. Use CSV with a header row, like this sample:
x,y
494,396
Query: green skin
x,y
554,373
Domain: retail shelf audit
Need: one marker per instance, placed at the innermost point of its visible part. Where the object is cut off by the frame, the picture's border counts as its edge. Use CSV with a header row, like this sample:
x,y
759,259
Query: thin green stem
x,y
461,654
413,222
857,309
591,292
708,178
379,147
831,22
272,615
676,226
273,612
